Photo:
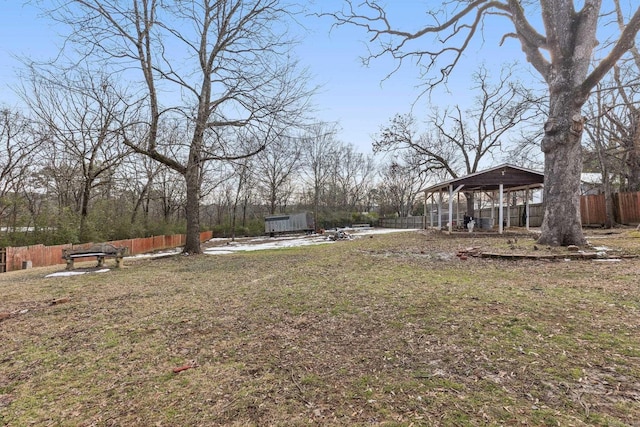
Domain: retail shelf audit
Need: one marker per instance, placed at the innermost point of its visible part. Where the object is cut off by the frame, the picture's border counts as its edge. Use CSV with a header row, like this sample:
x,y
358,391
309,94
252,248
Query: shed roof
x,y
510,176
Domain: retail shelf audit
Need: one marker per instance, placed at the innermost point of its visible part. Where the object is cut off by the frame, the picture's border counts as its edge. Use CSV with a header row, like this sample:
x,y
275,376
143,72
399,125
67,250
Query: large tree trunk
x,y
272,202
609,220
633,158
562,223
470,204
84,209
192,211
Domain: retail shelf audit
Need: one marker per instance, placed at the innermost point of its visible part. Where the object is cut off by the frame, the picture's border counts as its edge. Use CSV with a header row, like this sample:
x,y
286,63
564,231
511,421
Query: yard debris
x,y
538,256
472,251
4,315
338,235
189,365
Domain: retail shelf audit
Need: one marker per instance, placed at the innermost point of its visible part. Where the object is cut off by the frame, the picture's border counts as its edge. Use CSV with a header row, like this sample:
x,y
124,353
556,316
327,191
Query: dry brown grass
x,y
389,330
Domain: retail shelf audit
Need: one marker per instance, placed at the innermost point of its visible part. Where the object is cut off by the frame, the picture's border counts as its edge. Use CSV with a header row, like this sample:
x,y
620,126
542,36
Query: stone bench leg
x,y
69,263
100,262
118,261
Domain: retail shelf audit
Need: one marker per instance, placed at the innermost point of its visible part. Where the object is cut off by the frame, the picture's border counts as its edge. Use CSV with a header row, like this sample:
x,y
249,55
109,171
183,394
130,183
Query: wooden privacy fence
x,y
593,209
406,222
626,209
17,258
3,260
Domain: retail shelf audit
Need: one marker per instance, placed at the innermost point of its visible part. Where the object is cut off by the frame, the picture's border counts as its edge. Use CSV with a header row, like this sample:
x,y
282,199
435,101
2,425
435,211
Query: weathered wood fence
x,y
407,222
17,258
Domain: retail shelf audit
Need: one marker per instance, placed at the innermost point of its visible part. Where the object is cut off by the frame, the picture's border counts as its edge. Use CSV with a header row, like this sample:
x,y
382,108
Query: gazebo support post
x,y
424,212
450,208
431,210
493,206
508,209
501,213
451,193
526,208
440,211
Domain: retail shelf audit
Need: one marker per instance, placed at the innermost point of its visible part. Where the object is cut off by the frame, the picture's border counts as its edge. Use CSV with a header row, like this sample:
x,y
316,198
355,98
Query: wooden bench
x,y
98,251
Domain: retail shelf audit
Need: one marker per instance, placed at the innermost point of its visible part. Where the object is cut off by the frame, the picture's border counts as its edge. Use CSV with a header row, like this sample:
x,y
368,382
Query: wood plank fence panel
x,y
3,260
593,209
406,222
41,256
628,207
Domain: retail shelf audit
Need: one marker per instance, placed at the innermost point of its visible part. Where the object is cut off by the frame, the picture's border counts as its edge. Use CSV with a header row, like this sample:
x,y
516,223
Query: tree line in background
x,y
181,116
61,195
67,176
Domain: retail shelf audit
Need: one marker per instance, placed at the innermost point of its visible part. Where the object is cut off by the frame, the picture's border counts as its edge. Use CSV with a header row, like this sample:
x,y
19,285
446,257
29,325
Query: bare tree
x,y
139,174
561,52
613,133
319,151
243,184
460,140
215,64
626,121
169,193
352,177
613,126
627,82
60,177
80,112
18,144
598,132
400,186
274,169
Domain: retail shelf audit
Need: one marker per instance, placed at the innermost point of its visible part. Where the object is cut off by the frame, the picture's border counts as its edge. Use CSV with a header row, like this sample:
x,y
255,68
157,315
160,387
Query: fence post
x,y
3,260
620,208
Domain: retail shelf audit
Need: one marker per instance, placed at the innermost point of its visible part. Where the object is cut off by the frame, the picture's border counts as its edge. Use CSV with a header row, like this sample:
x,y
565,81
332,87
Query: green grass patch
x,y
389,330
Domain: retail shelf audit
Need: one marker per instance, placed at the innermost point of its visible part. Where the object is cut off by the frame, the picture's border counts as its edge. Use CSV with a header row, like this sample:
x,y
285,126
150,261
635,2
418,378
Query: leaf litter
x,y
390,330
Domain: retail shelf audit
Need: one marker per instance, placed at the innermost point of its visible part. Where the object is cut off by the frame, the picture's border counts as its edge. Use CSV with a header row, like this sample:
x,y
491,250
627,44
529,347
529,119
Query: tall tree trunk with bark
x,y
633,158
192,211
471,200
562,224
192,176
570,40
571,37
84,208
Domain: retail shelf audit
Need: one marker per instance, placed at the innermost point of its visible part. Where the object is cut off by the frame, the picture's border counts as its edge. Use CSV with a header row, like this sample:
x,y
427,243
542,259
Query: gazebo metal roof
x,y
511,177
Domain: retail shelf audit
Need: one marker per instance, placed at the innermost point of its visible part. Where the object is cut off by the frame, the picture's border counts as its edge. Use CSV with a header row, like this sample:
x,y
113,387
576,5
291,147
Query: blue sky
x,y
361,98
352,95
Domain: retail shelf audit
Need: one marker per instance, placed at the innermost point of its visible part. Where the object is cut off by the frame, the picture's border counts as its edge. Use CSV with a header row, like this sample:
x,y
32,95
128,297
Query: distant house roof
x,y
591,178
510,176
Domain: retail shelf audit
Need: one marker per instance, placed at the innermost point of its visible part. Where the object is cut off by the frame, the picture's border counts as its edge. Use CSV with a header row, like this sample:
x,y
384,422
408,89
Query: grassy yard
x,y
392,330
